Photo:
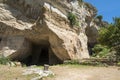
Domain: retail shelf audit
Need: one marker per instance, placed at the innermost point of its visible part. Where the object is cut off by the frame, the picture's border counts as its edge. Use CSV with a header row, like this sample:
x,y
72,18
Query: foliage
x,y
85,63
73,19
111,56
71,62
4,60
118,63
110,36
100,17
100,51
80,0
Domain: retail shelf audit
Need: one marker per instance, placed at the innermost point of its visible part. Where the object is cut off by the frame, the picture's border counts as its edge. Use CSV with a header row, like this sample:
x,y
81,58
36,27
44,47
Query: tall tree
x,y
110,36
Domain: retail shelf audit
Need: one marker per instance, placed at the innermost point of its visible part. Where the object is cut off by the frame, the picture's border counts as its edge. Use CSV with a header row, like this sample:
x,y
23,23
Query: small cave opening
x,y
0,39
41,54
90,47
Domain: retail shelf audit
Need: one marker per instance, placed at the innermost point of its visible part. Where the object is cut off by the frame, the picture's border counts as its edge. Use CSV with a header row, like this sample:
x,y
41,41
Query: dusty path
x,y
14,73
66,72
85,73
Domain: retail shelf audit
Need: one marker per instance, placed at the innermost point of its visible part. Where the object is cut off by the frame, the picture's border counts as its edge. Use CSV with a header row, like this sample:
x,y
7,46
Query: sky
x,y
107,8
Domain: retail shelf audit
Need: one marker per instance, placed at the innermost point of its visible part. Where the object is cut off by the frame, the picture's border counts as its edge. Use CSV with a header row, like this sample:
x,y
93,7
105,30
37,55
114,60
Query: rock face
x,y
38,31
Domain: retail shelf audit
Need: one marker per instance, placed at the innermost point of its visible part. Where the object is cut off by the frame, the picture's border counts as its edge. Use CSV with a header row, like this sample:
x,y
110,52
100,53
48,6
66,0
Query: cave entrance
x,y
41,54
0,39
90,46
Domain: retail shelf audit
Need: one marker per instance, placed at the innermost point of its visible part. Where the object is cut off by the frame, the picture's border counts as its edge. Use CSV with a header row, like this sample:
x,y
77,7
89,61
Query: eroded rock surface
x,y
44,23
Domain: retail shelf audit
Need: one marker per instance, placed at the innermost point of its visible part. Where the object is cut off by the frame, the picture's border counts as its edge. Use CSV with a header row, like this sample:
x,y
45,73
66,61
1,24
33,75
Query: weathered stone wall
x,y
16,47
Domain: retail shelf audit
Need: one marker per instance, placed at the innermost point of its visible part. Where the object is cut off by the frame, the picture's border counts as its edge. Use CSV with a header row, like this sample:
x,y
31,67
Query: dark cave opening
x,y
0,39
90,47
41,54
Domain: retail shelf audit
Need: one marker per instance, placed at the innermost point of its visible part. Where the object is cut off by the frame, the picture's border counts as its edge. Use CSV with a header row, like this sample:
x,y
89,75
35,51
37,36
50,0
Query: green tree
x,y
110,36
100,51
100,17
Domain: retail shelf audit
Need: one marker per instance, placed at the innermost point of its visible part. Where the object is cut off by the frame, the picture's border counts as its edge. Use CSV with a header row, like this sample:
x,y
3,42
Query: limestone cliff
x,y
43,25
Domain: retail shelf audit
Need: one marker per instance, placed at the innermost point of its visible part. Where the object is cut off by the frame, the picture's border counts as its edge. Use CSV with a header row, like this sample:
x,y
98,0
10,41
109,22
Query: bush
x,y
73,19
118,64
110,36
100,17
80,0
4,60
100,51
111,56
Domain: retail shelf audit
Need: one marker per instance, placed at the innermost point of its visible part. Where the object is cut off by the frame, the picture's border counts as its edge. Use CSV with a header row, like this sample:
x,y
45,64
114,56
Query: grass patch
x,y
118,64
84,63
74,65
4,60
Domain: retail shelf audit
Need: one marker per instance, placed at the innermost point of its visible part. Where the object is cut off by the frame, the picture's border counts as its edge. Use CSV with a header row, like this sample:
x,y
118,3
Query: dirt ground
x,y
85,73
14,73
66,72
